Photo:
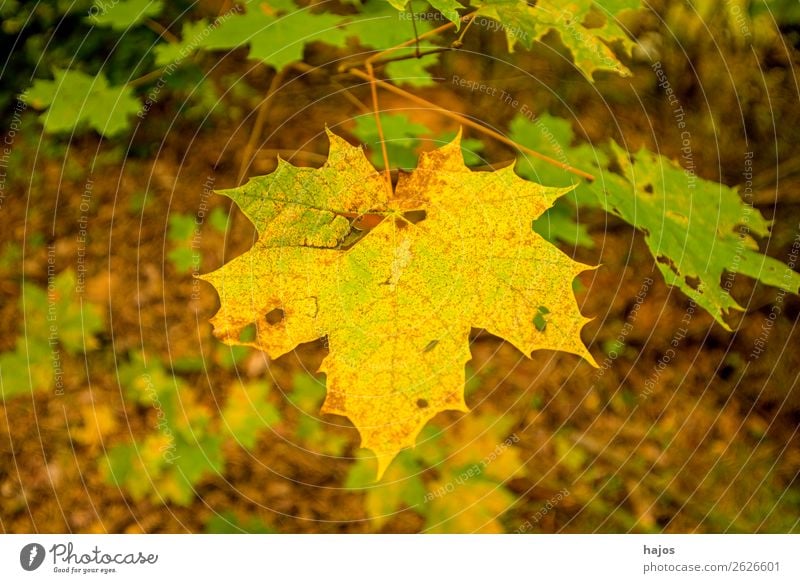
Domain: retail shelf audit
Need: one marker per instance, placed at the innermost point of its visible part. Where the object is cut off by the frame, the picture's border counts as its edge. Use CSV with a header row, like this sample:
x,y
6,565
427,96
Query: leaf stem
x,y
460,41
421,54
146,78
156,27
410,42
468,122
414,26
379,125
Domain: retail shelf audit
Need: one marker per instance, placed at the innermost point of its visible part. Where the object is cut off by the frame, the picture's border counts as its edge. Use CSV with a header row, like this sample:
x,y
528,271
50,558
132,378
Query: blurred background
x,y
122,413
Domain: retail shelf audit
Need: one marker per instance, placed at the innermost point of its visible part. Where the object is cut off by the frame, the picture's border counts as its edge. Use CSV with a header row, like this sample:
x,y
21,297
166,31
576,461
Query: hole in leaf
x,y
275,316
415,217
648,188
664,260
692,282
367,221
422,403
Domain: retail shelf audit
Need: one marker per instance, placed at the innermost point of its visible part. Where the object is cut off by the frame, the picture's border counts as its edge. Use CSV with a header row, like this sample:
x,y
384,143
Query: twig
x,y
403,45
161,31
146,78
376,109
460,40
414,26
419,55
468,122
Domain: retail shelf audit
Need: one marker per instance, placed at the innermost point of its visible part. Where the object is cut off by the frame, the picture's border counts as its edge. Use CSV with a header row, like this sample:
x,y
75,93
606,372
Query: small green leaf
x,y
523,23
181,227
276,33
698,229
122,14
449,9
400,134
412,71
379,25
192,36
75,100
218,219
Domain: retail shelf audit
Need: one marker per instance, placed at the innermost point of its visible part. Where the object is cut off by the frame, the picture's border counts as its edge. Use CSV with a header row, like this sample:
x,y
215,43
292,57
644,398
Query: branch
x,y
468,122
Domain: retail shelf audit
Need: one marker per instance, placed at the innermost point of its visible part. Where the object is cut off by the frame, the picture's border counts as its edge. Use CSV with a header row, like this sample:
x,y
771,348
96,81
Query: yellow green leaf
x,y
453,250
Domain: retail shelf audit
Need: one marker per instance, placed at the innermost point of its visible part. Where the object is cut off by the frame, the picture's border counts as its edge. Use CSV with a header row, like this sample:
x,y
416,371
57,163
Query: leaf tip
x,y
456,141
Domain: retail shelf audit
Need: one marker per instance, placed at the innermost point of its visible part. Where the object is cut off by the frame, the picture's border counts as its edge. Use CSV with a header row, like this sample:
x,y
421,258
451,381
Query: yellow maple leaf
x,y
396,306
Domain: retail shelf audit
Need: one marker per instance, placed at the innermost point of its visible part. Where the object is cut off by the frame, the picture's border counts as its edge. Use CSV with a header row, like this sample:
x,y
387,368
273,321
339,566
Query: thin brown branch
x,y
146,78
161,31
460,41
390,50
379,125
408,57
468,122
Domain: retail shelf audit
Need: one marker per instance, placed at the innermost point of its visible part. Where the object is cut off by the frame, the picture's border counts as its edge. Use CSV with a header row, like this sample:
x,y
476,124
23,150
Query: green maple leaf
x,y
697,229
276,32
404,139
523,23
74,99
380,26
412,72
553,137
192,35
400,134
448,8
123,14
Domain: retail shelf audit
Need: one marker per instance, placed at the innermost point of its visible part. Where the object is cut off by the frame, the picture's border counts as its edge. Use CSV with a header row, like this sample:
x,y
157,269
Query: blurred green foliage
x,y
186,443
53,319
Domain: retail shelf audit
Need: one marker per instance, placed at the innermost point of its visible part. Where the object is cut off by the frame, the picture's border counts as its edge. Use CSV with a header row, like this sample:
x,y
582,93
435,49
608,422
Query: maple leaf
x,y
397,306
75,99
520,21
121,15
696,229
448,8
276,31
